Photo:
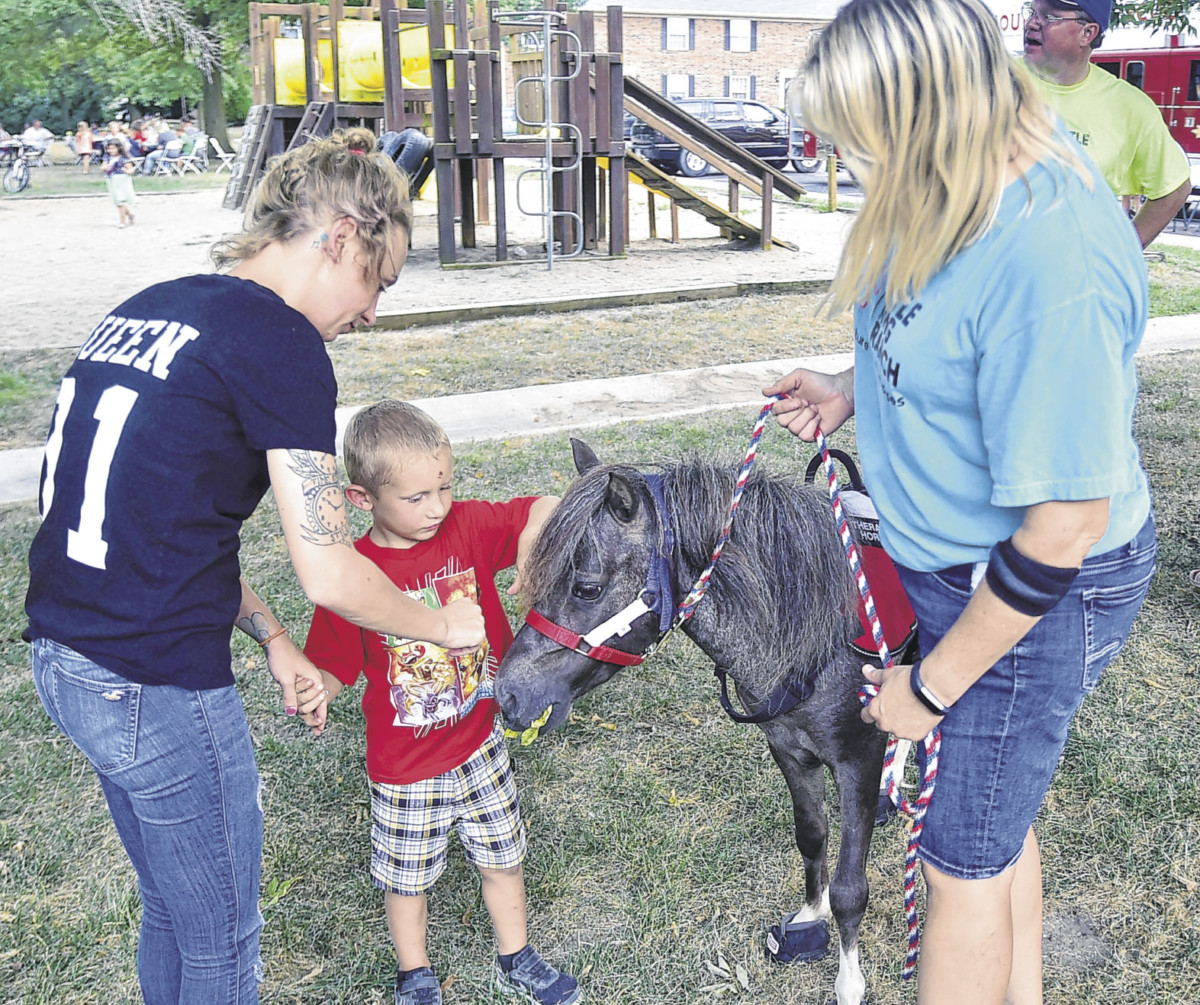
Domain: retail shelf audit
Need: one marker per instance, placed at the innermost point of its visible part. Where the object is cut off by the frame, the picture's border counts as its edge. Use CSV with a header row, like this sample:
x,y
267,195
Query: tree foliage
x,y
1172,16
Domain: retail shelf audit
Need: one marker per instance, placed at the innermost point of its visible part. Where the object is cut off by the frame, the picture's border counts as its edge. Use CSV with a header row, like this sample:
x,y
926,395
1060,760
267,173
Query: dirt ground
x,y
74,263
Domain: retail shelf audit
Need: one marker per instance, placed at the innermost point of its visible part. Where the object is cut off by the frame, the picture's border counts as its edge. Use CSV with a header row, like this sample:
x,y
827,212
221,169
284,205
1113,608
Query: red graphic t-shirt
x,y
423,716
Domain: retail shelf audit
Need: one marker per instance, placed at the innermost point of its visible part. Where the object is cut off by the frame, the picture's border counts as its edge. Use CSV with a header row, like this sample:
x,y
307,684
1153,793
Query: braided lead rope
x,y
687,606
932,743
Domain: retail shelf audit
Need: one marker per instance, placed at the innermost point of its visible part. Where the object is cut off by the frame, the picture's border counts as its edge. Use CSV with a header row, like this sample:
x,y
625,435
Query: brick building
x,y
716,48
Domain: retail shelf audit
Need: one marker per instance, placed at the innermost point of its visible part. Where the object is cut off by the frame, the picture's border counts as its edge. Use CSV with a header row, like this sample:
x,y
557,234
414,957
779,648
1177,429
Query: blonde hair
x,y
311,186
377,436
927,108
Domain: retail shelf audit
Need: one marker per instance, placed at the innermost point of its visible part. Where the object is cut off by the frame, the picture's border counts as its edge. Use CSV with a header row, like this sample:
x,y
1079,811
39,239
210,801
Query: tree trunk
x,y
213,104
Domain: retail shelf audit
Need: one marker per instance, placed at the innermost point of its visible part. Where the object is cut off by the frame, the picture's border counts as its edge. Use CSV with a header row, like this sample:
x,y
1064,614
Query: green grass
x,y
659,831
68,180
1175,283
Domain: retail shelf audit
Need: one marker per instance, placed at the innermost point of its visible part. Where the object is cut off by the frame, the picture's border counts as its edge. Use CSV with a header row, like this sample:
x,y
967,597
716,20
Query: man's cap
x,y
1098,10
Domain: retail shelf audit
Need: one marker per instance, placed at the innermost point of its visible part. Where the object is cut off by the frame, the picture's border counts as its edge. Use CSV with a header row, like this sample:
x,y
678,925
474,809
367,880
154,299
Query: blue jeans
x,y
177,768
1002,740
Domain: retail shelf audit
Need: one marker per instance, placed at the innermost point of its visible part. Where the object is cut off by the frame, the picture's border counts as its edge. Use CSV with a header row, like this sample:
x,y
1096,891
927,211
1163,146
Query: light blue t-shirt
x,y
1009,381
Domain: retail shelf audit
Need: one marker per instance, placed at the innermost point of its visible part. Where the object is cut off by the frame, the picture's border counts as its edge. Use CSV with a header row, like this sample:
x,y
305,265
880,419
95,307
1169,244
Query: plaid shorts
x,y
410,824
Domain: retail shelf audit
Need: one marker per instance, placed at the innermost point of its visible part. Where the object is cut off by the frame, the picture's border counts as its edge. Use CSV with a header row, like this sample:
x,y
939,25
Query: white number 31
x,y
86,543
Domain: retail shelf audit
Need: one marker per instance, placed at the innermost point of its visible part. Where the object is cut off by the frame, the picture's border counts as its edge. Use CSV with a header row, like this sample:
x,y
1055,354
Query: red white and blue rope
x,y
932,743
687,606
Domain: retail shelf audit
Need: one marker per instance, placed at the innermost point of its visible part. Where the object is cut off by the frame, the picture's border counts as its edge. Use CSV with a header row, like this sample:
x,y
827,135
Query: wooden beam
x,y
699,149
481,312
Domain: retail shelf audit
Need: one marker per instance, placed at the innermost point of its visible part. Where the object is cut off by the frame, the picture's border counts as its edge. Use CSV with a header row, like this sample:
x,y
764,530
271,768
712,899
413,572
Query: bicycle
x,y
17,175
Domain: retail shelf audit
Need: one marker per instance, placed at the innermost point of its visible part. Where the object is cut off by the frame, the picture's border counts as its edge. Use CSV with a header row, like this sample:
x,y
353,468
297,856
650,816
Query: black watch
x,y
924,695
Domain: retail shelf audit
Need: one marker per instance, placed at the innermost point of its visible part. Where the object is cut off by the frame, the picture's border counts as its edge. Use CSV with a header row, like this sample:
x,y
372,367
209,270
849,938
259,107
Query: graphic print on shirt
x,y
876,338
431,689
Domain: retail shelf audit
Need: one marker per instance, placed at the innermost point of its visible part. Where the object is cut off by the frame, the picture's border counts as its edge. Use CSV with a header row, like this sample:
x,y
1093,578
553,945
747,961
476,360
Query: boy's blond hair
x,y
378,435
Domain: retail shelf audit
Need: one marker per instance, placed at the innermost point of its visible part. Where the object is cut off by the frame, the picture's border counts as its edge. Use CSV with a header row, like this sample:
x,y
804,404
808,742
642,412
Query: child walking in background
x,y
436,757
84,145
118,176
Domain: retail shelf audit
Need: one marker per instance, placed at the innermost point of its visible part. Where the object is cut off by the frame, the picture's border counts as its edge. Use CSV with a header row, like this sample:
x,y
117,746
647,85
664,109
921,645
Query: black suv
x,y
760,129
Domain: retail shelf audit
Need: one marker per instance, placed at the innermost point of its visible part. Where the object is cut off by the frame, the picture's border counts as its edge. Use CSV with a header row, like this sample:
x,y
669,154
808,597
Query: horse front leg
x,y
805,778
857,776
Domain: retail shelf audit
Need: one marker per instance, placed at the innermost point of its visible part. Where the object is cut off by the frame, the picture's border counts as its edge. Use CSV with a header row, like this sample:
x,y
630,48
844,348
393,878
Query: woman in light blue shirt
x,y
999,296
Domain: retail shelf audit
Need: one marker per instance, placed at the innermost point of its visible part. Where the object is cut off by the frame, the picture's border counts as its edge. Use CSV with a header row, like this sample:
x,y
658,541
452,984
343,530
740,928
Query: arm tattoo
x,y
255,626
324,520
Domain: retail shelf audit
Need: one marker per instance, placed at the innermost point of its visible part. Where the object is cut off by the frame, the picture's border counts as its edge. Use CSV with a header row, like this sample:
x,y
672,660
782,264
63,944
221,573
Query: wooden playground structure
x,y
442,70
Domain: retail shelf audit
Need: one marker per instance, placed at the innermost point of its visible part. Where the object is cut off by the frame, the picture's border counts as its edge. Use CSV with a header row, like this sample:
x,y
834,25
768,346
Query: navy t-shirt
x,y
156,455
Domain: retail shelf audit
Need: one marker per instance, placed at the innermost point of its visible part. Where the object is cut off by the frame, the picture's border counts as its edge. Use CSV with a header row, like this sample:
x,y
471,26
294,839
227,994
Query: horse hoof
x,y
885,809
798,941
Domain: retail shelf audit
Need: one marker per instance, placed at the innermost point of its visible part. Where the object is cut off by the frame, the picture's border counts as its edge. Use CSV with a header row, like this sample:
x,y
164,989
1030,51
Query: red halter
x,y
576,643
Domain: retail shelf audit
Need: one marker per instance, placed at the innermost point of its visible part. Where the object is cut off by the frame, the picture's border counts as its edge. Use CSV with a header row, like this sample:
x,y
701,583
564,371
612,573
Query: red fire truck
x,y
1171,76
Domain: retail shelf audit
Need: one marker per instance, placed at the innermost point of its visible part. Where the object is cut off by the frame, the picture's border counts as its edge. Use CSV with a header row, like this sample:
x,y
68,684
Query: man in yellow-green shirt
x,y
1120,127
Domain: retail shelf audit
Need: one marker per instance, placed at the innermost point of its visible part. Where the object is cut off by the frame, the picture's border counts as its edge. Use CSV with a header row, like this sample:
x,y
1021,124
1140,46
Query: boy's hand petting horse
x,y
779,618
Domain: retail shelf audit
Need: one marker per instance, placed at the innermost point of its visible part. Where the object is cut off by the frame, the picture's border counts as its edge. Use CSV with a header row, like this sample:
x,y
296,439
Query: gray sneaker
x,y
533,979
420,987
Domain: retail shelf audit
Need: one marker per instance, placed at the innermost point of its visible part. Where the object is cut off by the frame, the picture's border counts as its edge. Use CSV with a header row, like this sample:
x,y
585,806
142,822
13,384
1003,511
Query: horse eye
x,y
587,591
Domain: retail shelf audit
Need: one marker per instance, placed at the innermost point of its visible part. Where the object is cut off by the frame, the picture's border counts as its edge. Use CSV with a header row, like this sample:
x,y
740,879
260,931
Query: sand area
x,y
72,263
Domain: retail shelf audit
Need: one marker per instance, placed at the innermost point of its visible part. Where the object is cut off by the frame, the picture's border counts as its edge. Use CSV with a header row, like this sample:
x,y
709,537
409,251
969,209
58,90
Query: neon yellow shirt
x,y
1122,130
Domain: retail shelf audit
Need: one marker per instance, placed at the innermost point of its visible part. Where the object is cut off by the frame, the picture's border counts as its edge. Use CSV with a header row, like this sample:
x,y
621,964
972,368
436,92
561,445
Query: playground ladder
x,y
250,157
549,23
316,122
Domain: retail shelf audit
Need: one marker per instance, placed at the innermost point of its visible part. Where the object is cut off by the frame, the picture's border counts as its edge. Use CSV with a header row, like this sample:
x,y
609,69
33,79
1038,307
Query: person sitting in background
x,y
116,132
170,148
37,136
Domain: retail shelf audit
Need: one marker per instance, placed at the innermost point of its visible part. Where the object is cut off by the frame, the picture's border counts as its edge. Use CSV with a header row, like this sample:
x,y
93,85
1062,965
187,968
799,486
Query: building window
x,y
678,85
739,34
1135,73
786,81
677,33
739,87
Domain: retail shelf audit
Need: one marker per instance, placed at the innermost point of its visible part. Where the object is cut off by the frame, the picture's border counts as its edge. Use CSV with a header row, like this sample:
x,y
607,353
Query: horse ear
x,y
622,500
585,459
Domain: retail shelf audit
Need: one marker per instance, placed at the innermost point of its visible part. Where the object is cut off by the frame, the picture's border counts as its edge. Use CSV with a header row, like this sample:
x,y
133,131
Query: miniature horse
x,y
779,616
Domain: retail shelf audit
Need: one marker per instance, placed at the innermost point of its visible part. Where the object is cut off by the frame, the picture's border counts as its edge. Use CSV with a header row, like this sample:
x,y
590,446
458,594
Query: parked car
x,y
760,129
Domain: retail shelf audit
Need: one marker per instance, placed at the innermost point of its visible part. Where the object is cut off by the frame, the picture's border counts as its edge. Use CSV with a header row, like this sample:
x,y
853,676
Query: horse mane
x,y
782,586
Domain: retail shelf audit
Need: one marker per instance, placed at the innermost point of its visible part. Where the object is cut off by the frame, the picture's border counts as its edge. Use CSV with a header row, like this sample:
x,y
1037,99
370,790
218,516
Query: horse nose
x,y
507,701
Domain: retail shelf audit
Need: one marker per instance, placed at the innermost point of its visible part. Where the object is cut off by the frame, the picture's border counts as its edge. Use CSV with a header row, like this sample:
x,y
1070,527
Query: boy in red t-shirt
x,y
436,757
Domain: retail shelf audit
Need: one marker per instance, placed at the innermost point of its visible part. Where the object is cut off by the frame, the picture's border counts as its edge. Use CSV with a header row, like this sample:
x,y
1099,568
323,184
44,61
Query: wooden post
x,y
443,162
601,204
393,79
618,230
260,59
674,222
653,216
312,61
336,13
768,192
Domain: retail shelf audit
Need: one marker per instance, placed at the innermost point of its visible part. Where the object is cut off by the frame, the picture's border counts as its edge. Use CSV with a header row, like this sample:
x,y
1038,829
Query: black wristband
x,y
1025,584
924,695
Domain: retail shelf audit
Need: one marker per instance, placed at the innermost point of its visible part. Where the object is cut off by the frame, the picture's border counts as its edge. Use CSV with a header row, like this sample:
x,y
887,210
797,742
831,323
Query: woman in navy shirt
x,y
182,407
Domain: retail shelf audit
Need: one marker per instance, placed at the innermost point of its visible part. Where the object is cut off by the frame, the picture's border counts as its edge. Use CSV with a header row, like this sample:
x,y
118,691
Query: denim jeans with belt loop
x,y
1002,740
177,769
